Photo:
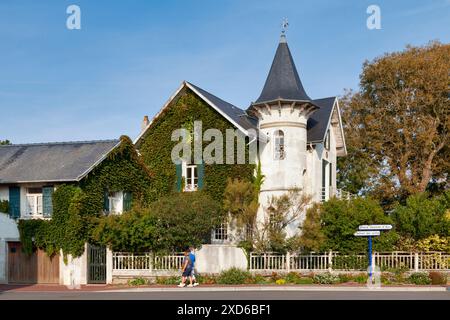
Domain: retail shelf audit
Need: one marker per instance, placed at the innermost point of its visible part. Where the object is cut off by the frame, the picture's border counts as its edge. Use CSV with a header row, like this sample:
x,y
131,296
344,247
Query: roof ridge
x,y
59,143
330,97
216,96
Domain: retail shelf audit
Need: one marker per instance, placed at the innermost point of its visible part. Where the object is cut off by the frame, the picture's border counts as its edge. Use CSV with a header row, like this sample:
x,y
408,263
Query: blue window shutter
x,y
201,174
127,197
14,202
179,177
106,201
47,205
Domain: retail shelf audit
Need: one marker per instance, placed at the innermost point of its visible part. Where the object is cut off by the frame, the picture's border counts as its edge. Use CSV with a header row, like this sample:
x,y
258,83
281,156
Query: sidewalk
x,y
214,288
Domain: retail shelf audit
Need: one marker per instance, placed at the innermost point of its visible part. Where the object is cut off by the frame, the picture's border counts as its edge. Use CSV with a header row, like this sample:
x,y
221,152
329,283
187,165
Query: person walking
x,y
186,270
192,257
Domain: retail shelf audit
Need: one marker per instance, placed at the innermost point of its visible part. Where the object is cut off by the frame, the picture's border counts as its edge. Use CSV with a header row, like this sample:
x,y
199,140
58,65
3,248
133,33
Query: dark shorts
x,y
187,272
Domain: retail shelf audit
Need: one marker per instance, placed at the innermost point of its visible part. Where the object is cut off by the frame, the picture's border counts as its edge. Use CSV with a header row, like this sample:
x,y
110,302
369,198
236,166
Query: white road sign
x,y
367,233
375,227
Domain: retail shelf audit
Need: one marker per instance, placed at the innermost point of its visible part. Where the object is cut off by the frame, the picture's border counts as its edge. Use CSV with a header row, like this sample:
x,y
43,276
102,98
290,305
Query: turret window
x,y
279,152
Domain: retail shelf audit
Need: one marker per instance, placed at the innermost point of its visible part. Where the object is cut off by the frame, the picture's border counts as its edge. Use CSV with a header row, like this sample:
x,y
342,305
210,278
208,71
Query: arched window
x,y
279,151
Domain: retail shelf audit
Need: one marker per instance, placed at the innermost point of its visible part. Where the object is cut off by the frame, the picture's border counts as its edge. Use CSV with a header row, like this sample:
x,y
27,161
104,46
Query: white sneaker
x,y
181,285
196,284
189,285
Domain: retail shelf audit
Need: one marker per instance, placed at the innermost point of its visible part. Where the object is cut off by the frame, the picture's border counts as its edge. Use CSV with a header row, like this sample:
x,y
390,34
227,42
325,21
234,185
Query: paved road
x,y
236,295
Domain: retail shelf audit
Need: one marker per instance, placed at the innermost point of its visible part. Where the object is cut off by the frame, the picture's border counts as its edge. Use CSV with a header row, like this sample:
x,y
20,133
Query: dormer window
x,y
327,140
279,151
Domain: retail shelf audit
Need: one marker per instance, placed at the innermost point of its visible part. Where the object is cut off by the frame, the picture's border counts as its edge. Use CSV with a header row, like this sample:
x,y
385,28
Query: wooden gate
x,y
96,264
37,267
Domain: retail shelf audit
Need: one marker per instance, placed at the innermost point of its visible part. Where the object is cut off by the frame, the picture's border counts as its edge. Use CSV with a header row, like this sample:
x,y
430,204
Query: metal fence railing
x,y
408,261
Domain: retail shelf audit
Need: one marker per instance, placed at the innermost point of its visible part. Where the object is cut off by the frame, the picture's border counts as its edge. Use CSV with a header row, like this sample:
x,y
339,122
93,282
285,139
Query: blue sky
x,y
130,56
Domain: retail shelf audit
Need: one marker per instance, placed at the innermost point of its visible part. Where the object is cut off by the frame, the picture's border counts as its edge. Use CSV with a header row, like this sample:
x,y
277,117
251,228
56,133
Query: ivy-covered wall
x,y
156,147
78,207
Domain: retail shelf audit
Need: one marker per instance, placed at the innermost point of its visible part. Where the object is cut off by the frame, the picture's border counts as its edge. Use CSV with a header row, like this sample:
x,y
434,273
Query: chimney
x,y
145,123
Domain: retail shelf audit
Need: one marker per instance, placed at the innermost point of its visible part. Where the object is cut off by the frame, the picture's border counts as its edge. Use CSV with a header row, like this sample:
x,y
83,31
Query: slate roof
x,y
51,162
238,115
318,121
283,81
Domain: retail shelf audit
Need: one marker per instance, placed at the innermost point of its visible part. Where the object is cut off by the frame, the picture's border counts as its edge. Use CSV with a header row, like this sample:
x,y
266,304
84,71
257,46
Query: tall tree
x,y
398,123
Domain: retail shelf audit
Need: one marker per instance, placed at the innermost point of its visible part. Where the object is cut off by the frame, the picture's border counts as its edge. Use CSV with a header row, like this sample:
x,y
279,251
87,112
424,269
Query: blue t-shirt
x,y
192,257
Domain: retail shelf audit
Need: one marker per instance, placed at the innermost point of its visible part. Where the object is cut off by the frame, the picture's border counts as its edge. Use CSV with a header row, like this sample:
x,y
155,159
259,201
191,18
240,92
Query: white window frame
x,y
221,233
34,203
190,179
279,151
115,202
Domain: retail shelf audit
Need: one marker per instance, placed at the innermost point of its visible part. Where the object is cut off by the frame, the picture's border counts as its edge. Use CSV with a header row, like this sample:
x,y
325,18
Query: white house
x,y
299,138
29,174
305,136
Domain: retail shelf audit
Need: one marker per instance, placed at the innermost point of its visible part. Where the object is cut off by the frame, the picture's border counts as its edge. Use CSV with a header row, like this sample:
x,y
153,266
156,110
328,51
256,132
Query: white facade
x,y
285,163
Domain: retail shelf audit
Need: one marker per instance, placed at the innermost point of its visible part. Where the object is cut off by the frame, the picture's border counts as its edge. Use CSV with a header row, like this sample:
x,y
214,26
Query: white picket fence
x,y
146,261
146,264
408,261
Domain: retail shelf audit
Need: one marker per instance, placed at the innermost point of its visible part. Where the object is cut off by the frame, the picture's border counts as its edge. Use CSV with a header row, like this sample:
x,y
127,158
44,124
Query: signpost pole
x,y
370,257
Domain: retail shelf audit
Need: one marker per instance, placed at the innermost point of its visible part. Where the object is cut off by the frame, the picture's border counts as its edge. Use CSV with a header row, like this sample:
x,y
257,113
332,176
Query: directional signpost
x,y
369,231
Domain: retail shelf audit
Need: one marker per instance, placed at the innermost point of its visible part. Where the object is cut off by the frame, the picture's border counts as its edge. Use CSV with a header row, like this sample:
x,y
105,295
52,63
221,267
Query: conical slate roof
x,y
283,81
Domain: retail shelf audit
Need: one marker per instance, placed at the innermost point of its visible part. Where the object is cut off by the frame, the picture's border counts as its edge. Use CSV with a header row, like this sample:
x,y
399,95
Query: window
x,y
34,201
221,232
279,151
191,178
327,140
115,202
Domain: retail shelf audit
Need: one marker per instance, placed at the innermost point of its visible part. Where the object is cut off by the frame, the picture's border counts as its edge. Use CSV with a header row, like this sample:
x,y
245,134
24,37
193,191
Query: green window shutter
x,y
179,177
127,197
106,201
47,205
14,202
201,174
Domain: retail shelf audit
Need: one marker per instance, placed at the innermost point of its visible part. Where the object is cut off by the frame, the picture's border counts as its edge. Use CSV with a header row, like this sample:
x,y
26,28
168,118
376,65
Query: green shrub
x,y
292,277
386,279
260,279
233,276
325,278
361,278
343,278
168,280
275,276
438,278
305,280
138,282
4,206
206,279
419,278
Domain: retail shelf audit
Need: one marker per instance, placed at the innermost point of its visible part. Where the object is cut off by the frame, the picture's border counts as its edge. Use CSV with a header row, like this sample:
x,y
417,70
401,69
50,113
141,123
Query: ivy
x,y
156,147
77,208
4,206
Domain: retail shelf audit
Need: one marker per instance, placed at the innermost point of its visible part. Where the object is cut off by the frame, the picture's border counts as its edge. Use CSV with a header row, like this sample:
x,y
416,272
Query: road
x,y
230,295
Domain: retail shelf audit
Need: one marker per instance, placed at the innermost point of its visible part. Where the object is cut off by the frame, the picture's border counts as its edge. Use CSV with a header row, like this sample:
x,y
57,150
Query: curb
x,y
267,288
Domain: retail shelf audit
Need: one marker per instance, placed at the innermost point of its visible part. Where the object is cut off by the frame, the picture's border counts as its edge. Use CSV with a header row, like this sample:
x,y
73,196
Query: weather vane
x,y
284,25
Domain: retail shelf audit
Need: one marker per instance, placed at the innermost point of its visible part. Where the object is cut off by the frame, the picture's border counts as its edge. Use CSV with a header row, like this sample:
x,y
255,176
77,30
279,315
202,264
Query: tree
x,y
422,216
4,142
282,210
331,226
398,124
170,224
312,238
186,218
